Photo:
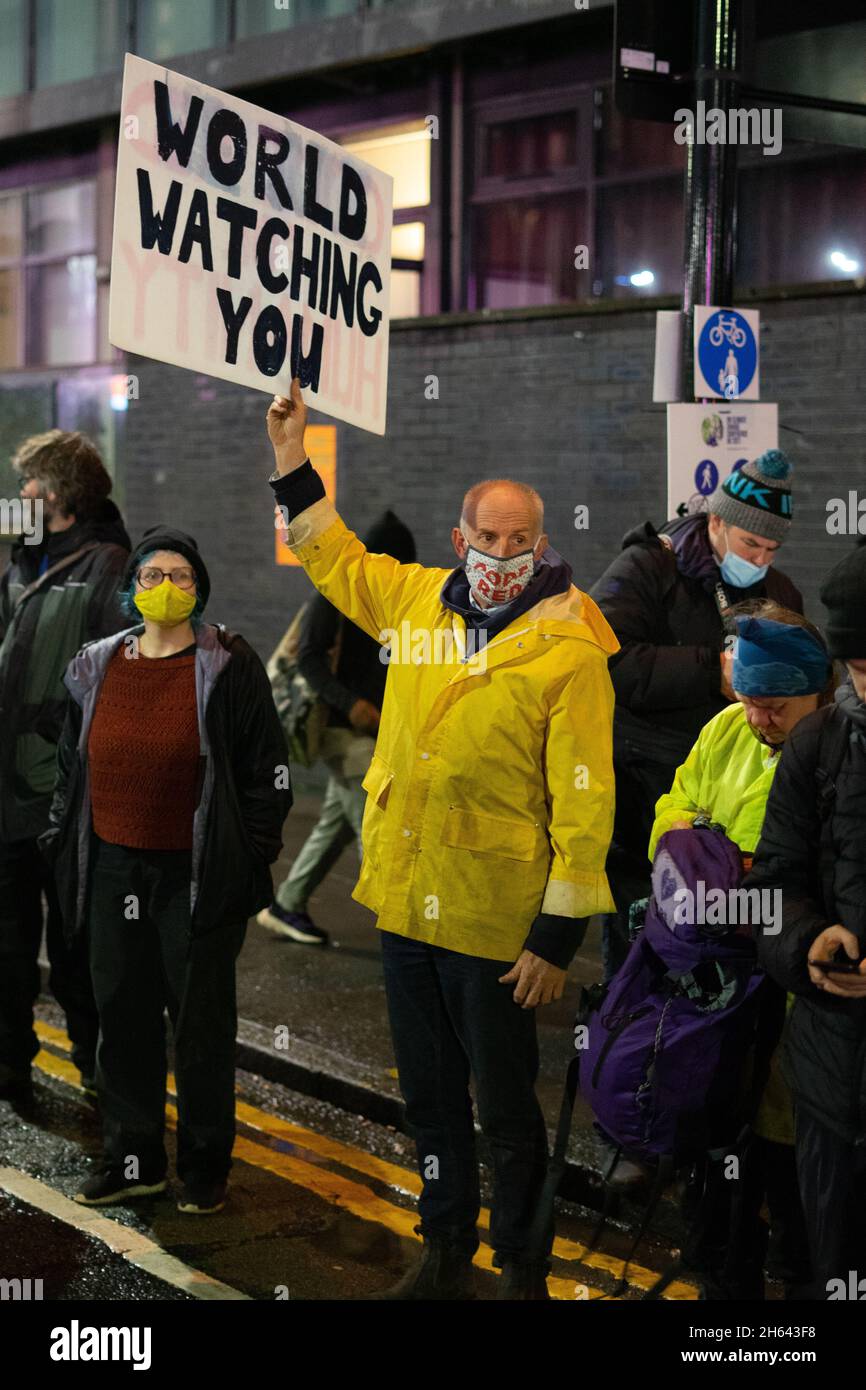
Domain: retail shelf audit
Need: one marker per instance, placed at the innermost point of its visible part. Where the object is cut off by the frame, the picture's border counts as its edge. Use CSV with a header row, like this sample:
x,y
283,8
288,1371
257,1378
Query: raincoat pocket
x,y
513,839
377,782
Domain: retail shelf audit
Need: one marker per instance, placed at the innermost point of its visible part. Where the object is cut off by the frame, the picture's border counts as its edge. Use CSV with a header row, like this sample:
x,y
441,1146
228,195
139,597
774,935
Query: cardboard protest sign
x,y
248,247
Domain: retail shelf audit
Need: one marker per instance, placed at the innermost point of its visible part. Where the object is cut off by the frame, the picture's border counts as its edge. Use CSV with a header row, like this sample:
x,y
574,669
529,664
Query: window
x,y
12,48
824,199
640,240
525,149
525,252
403,151
80,40
48,275
530,209
270,16
628,146
168,27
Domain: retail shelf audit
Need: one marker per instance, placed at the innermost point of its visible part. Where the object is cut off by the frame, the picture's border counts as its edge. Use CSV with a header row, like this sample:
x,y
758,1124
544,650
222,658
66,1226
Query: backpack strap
x,y
542,1219
52,570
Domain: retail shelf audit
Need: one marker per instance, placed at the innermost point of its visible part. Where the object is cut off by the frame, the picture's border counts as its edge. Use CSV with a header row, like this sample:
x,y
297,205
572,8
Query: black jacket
x,y
825,1051
244,783
661,603
41,631
360,673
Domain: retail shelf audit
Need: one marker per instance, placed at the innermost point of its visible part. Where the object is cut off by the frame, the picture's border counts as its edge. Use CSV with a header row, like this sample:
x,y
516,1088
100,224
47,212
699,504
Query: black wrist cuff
x,y
298,490
556,939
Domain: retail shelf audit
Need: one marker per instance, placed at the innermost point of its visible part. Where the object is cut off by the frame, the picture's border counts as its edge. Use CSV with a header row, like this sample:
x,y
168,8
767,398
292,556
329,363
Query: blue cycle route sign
x,y
727,353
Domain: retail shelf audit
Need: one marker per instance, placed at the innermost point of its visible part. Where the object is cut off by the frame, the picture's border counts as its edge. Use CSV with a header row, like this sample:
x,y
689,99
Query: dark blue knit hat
x,y
778,659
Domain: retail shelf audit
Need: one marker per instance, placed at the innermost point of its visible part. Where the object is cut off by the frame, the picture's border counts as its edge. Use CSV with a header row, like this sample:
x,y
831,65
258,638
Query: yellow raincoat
x,y
490,795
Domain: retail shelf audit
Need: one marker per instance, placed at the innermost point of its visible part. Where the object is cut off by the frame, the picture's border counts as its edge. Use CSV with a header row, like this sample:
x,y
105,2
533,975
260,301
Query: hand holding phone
x,y
838,966
842,974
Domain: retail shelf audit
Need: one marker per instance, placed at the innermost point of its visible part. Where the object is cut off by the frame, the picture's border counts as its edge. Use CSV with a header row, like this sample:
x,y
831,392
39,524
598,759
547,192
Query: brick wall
x,y
563,403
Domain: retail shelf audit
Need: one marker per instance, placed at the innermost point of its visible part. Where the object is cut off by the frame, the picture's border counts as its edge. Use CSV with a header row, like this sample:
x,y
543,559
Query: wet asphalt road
x,y
322,1201
321,1206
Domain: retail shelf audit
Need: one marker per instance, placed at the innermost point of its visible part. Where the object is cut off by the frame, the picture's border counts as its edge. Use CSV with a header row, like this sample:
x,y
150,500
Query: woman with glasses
x,y
173,784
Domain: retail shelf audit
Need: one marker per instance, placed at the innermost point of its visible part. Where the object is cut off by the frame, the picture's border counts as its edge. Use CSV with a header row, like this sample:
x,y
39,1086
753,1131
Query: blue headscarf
x,y
778,659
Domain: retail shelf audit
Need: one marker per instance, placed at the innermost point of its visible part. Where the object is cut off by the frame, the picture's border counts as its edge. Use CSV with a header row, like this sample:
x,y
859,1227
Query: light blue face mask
x,y
742,574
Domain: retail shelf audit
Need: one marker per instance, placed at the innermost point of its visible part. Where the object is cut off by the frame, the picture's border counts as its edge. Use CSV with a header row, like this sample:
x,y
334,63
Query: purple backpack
x,y
667,1044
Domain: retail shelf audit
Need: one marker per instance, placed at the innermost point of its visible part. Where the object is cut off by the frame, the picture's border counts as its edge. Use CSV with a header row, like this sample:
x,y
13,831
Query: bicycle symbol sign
x,y
726,353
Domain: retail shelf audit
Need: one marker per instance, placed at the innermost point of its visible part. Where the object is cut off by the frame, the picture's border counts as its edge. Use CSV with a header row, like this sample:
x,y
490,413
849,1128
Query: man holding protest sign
x,y
488,817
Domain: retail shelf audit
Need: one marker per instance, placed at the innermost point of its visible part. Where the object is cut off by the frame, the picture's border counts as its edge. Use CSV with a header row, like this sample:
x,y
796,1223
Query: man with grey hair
x,y
488,816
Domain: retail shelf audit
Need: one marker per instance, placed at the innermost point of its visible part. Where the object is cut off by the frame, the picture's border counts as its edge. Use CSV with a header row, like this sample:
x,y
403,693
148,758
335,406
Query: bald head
x,y
503,494
500,517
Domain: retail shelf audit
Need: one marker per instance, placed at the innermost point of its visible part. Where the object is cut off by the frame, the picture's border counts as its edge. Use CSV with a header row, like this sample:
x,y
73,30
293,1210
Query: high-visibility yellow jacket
x,y
490,795
728,776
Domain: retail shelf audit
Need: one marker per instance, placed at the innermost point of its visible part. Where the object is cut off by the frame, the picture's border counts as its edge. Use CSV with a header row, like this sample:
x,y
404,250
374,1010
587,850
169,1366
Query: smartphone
x,y
837,967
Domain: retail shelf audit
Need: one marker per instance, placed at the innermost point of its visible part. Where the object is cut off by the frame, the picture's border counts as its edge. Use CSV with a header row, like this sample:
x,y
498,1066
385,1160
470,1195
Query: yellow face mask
x,y
166,604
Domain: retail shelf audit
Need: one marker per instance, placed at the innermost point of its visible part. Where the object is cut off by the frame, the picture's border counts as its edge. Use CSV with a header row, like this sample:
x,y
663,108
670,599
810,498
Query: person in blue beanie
x,y
781,674
668,597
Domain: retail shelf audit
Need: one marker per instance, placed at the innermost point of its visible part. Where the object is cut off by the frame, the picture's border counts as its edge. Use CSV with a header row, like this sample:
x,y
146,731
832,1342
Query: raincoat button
x,y
425,756
406,832
520,644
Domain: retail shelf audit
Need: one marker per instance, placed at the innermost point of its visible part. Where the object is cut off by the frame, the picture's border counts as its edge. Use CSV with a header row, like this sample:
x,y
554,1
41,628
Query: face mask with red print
x,y
493,581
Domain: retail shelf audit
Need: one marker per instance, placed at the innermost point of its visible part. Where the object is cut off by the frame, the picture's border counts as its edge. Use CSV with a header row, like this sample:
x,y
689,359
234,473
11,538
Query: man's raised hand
x,y
287,420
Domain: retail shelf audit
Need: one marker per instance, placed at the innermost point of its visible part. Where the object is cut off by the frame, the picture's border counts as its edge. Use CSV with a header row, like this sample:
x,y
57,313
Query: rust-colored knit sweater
x,y
143,752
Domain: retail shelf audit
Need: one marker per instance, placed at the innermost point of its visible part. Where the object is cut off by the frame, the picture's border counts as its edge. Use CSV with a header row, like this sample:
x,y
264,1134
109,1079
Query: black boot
x,y
523,1281
441,1273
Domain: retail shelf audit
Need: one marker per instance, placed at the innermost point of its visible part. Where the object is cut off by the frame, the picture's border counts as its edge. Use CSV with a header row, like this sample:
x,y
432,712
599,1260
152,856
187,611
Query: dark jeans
x,y
24,877
449,1017
143,961
832,1174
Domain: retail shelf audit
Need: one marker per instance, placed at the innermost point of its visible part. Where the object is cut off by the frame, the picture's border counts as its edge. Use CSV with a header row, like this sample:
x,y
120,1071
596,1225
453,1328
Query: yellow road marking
x,y
367,1203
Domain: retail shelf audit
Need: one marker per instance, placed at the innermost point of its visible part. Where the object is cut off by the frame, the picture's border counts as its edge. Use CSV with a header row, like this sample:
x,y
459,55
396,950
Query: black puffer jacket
x,y
825,1050
661,604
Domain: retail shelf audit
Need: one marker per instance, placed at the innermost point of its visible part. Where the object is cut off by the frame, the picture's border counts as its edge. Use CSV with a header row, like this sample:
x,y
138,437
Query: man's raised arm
x,y
374,591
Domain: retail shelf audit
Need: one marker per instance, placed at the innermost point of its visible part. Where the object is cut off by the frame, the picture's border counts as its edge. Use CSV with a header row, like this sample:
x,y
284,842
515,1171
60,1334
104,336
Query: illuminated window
x,y
403,151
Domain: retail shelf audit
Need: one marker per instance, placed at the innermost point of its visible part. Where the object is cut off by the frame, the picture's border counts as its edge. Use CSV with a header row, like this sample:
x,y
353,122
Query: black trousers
x,y
832,1174
450,1018
728,1240
24,878
144,960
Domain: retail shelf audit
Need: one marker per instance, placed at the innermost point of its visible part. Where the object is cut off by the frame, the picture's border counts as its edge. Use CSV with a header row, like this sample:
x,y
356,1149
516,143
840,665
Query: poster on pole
x,y
707,442
249,248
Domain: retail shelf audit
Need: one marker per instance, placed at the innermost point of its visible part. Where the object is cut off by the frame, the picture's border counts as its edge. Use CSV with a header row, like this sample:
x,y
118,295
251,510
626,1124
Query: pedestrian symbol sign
x,y
726,353
706,477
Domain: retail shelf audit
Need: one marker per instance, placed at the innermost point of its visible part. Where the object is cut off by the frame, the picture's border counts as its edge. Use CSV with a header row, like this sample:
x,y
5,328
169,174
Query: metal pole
x,y
711,175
